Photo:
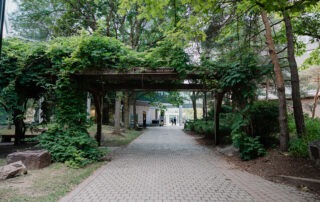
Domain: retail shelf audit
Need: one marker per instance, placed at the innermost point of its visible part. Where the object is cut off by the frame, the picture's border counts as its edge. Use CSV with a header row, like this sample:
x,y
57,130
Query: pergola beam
x,y
155,87
141,85
140,79
154,74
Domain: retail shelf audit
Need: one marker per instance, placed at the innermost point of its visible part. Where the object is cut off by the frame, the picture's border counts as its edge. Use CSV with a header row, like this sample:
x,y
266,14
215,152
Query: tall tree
x,y
204,106
98,103
295,82
286,7
284,133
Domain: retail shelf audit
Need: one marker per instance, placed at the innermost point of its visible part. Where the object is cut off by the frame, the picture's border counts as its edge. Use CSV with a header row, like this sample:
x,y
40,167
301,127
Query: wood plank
x,y
300,178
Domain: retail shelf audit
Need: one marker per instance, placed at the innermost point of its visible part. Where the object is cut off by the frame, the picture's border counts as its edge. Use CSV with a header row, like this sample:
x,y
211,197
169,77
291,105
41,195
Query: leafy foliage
x,y
249,147
25,73
299,146
100,52
68,141
166,54
70,146
264,119
201,127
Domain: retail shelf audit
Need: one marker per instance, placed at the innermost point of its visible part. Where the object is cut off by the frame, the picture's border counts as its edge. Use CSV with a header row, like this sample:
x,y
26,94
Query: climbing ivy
x,y
68,140
32,70
25,73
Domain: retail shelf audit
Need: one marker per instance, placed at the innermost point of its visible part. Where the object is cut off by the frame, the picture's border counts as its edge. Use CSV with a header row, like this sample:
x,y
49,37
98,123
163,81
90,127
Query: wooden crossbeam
x,y
136,75
164,79
155,87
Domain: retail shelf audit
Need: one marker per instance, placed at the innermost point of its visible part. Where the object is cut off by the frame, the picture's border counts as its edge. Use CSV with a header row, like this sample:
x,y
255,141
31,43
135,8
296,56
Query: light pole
x,y
2,8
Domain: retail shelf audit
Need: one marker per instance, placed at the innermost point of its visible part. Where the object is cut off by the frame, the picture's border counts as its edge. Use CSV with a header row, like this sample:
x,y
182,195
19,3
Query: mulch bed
x,y
274,164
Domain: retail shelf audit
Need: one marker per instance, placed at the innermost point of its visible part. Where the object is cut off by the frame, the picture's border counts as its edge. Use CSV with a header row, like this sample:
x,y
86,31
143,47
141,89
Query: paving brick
x,y
164,164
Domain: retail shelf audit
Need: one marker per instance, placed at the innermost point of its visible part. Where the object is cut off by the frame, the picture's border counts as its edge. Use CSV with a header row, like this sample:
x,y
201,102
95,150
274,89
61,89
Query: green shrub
x,y
188,125
299,146
249,147
201,127
70,145
264,118
291,124
198,127
225,109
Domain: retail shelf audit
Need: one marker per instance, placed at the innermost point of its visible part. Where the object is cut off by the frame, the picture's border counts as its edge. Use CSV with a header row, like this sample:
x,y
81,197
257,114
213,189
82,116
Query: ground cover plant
x,y
299,146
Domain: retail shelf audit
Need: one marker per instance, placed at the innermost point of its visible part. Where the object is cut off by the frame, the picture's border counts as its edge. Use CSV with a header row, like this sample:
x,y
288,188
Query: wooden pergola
x,y
163,79
99,81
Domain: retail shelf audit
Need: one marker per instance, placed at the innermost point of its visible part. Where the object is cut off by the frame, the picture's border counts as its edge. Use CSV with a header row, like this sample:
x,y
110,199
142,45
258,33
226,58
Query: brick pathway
x,y
164,164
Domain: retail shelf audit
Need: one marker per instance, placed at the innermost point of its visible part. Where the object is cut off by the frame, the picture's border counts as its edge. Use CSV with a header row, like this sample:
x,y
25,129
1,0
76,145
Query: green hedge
x,y
265,122
201,127
299,146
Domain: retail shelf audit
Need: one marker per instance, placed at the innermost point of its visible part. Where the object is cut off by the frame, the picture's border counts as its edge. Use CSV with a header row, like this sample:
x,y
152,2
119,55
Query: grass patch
x,y
48,184
6,131
55,181
112,140
123,139
3,161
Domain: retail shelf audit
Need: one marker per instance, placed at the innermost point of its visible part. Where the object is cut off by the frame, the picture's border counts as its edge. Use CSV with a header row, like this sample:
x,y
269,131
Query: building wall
x,y
169,114
307,105
150,114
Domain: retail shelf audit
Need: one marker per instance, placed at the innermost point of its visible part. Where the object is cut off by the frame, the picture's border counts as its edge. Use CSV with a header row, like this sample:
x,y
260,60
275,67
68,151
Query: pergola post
x,y
98,102
217,109
2,11
88,105
134,110
117,113
180,115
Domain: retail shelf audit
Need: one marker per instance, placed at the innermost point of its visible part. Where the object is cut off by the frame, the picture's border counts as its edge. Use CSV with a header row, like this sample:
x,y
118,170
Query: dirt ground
x,y
274,164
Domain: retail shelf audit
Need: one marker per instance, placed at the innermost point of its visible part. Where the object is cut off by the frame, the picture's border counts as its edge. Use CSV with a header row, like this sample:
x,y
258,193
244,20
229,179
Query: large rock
x,y
314,152
36,159
12,170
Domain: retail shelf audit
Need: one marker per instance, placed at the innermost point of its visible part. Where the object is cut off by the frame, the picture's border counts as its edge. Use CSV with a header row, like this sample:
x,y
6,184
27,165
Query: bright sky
x,y
10,7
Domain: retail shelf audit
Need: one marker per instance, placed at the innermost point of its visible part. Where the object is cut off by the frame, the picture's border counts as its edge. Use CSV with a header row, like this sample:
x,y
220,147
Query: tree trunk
x,y
9,121
20,128
126,110
267,90
98,103
316,100
135,121
194,105
105,112
295,84
217,109
117,113
204,107
88,105
284,133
